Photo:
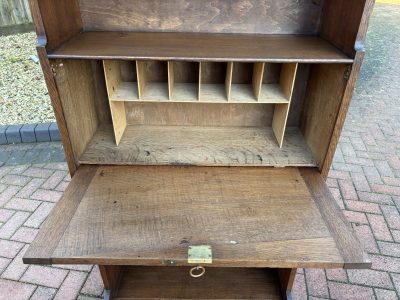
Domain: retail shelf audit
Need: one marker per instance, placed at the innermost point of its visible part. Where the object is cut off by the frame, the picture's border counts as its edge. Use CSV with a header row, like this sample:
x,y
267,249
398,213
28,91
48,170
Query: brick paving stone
x,y
82,297
396,281
25,235
338,197
375,197
366,237
62,186
347,149
94,284
70,287
392,216
385,263
4,262
299,290
355,217
372,175
379,228
46,276
16,268
53,181
40,214
336,275
386,189
383,168
342,291
332,183
22,204
15,180
394,161
43,293
7,194
316,282
360,182
396,235
348,190
385,294
30,188
391,181
12,225
38,172
46,195
339,174
370,278
9,249
390,249
18,170
363,207
18,290
5,214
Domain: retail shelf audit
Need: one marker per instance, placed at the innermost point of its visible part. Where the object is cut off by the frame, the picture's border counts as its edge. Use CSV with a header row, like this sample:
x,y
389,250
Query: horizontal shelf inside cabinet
x,y
201,47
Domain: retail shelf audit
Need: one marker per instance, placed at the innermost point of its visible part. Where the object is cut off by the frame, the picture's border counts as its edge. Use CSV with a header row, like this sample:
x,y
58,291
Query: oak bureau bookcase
x,y
198,135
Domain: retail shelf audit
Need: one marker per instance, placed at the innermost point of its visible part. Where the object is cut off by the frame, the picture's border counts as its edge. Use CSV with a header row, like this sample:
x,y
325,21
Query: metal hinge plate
x,y
200,254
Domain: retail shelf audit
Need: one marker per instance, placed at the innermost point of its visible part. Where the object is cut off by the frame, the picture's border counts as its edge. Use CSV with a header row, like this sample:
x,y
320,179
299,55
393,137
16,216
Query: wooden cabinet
x,y
198,135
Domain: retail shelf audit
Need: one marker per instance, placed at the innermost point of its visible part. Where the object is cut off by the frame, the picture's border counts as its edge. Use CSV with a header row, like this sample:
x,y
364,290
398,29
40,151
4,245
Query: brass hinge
x,y
347,73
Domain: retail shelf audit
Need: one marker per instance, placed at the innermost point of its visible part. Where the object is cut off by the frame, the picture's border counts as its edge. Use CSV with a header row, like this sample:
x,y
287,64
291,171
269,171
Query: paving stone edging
x,y
29,133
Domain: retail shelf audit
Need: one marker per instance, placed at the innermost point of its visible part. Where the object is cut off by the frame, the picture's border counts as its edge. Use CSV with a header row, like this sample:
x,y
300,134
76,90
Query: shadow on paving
x,y
35,153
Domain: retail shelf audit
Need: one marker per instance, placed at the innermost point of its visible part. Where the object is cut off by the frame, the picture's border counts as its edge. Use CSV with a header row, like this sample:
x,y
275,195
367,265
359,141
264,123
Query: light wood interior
x,y
204,82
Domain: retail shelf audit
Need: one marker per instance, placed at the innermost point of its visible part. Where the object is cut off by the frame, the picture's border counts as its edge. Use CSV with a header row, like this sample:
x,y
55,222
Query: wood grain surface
x,y
202,146
200,47
217,283
251,217
240,16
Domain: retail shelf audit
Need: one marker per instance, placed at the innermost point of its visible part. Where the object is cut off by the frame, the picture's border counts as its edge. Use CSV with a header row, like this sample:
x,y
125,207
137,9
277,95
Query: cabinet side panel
x,y
236,16
344,23
324,96
76,86
58,21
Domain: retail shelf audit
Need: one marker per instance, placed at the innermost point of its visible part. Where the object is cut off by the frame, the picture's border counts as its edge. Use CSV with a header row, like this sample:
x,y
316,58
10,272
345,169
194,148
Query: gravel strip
x,y
23,94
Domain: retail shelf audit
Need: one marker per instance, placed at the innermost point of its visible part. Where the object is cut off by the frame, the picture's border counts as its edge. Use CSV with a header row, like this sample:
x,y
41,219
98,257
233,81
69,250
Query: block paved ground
x,y
365,180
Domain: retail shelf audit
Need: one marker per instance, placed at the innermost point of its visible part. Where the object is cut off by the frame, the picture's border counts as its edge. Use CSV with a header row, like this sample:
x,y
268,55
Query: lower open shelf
x,y
202,146
217,283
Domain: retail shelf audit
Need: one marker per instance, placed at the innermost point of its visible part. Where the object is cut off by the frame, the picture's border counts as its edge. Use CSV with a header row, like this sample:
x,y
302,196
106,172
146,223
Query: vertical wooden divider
x,y
171,79
200,67
258,74
141,78
281,113
228,80
112,73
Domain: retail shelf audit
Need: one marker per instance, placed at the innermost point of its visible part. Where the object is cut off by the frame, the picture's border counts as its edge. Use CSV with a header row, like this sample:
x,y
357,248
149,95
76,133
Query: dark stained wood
x,y
349,246
238,16
217,283
60,20
150,215
111,276
323,99
200,47
344,23
49,236
286,280
201,146
342,112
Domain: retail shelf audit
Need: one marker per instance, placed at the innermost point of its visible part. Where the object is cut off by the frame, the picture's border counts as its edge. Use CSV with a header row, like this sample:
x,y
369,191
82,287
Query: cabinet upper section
x,y
342,23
